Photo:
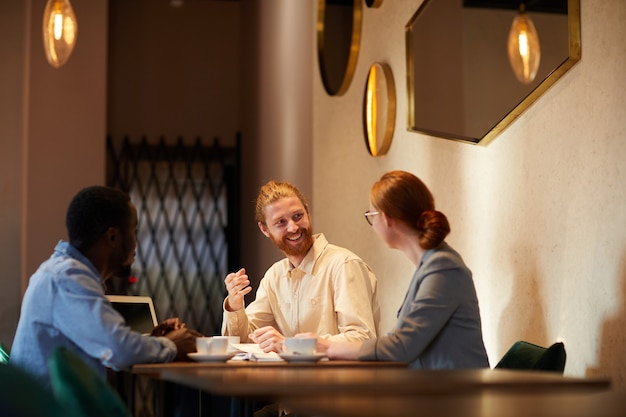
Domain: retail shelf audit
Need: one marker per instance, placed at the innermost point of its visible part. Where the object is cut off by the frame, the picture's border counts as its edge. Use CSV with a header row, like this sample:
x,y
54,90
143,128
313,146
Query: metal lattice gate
x,y
187,200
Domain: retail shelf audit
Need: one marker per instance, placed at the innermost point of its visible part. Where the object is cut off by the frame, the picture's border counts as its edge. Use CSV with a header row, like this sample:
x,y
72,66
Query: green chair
x,y
4,354
79,388
525,355
21,395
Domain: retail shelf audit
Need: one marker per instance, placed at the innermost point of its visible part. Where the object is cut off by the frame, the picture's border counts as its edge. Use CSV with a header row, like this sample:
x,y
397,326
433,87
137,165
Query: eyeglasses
x,y
368,214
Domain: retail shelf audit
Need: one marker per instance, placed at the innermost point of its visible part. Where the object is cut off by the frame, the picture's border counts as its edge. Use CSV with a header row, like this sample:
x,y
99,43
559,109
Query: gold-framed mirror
x,y
379,109
460,82
338,39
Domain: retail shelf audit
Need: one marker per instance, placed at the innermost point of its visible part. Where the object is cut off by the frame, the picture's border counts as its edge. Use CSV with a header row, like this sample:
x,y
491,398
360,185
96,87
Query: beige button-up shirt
x,y
332,293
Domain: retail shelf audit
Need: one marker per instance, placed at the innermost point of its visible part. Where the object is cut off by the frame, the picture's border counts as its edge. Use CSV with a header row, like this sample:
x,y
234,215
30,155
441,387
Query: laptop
x,y
138,311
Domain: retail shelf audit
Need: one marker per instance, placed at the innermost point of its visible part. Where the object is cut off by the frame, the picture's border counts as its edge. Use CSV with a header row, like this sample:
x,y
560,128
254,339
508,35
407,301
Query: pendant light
x,y
523,47
60,29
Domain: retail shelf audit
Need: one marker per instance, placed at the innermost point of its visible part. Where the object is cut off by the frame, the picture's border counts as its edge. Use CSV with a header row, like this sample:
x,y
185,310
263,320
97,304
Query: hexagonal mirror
x,y
470,62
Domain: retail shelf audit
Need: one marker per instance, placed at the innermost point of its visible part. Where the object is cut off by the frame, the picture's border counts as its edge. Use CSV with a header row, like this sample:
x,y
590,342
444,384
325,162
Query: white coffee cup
x,y
300,345
233,340
213,345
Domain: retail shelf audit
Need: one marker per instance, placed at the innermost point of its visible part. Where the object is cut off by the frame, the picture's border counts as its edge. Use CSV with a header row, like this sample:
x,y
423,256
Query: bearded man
x,y
318,288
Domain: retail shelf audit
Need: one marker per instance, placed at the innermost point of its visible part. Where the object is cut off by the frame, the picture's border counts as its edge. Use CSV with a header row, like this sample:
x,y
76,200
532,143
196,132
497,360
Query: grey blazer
x,y
438,323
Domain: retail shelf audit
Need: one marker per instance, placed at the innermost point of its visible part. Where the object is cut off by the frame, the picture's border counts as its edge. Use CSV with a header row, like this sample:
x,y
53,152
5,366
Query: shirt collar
x,y
67,249
319,244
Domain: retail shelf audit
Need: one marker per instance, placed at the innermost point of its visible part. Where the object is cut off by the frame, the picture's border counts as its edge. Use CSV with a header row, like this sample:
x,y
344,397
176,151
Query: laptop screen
x,y
138,311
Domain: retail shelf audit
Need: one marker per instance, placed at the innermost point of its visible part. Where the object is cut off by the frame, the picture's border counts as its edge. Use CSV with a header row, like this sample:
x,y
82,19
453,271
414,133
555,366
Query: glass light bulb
x,y
523,48
60,29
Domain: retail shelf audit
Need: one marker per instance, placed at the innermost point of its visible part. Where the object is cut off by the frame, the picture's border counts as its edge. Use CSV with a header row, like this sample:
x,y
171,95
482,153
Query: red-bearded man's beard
x,y
288,247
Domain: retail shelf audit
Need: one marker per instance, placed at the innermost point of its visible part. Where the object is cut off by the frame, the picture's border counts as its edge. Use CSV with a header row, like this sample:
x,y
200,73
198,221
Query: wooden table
x,y
167,392
284,382
485,404
346,389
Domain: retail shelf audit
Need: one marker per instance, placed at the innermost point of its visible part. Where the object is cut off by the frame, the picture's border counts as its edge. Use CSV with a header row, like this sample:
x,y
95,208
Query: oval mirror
x,y
461,83
338,37
379,109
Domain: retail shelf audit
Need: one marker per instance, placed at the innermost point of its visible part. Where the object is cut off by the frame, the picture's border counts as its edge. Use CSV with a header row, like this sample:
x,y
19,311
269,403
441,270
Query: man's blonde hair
x,y
273,191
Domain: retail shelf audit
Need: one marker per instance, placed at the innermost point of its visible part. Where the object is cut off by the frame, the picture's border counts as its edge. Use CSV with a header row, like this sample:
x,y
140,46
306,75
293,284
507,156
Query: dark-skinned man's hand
x,y
185,340
167,326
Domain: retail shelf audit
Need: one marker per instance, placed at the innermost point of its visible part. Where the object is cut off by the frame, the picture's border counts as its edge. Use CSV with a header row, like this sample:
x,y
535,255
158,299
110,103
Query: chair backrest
x,y
525,355
4,354
21,395
81,389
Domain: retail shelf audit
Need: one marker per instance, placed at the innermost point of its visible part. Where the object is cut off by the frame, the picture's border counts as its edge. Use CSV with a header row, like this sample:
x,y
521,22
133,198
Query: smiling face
x,y
287,224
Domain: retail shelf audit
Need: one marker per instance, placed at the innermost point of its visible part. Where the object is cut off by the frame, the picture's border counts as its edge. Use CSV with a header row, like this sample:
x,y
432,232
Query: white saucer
x,y
208,357
301,357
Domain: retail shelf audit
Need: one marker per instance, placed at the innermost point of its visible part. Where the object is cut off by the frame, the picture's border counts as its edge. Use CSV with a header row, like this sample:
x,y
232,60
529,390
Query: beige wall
x,y
53,124
539,215
63,148
174,71
277,117
11,110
